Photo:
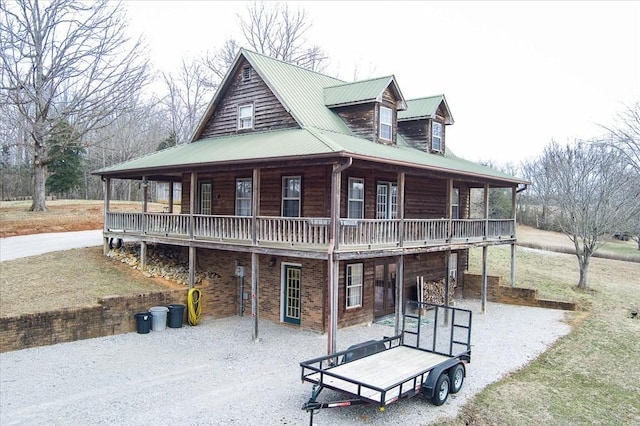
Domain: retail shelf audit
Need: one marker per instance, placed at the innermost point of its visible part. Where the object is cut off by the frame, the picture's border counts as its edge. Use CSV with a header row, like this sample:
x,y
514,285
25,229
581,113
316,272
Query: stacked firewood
x,y
434,291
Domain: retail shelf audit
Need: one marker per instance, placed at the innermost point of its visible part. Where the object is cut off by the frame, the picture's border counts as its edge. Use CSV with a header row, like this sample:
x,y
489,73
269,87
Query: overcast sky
x,y
515,74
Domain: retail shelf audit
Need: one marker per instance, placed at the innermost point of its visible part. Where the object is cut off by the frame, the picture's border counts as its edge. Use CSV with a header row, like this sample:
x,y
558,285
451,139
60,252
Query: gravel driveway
x,y
214,374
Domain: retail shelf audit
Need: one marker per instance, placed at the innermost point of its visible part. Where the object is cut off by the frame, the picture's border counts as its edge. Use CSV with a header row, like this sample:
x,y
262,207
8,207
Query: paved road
x,y
35,244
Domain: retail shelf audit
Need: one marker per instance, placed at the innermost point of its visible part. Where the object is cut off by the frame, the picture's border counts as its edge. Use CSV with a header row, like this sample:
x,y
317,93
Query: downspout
x,y
332,270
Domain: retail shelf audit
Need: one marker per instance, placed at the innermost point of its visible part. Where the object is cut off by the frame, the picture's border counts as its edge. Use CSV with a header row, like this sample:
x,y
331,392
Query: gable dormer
x,y
423,123
369,108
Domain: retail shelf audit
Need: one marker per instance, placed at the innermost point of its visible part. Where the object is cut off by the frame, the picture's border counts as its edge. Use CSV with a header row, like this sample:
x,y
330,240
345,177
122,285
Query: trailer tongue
x,y
427,358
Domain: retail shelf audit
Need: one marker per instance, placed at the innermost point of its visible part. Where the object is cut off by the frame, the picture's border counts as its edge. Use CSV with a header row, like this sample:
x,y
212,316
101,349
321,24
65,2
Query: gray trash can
x,y
176,314
158,317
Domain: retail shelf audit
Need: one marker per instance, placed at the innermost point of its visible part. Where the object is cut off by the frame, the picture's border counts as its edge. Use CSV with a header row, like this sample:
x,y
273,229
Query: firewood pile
x,y
434,291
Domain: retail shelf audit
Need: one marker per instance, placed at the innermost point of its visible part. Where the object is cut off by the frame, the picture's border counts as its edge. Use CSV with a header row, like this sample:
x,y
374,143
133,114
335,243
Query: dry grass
x,y
67,279
559,242
61,216
587,377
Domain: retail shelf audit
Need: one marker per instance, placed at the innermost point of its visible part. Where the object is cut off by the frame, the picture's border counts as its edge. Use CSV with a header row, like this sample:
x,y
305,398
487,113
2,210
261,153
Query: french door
x,y
291,294
385,288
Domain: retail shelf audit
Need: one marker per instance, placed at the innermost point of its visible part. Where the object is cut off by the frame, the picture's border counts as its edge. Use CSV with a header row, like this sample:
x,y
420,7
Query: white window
x,y
387,201
386,123
245,117
354,280
436,136
291,195
205,198
243,197
356,198
455,204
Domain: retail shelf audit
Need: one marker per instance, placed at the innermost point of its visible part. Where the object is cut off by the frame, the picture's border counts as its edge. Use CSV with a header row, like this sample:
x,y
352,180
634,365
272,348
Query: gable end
x,y
246,87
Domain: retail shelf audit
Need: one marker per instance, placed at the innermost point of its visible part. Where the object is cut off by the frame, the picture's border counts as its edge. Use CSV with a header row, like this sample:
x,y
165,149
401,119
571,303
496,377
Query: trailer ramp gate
x,y
434,338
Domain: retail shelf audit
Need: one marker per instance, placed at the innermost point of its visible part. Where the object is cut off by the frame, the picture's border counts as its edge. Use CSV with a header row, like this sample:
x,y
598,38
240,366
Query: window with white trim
x,y
386,200
354,279
243,197
436,136
356,198
291,196
245,116
386,123
205,198
455,204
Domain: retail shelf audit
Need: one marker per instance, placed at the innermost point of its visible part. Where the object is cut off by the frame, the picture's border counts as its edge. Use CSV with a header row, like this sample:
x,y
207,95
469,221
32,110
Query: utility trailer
x,y
427,358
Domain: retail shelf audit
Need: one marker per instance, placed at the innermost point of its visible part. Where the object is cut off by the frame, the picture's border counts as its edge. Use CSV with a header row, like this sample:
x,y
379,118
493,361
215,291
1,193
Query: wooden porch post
x,y
255,207
192,201
485,249
143,244
399,293
484,279
254,295
400,262
171,197
450,210
192,266
192,250
333,265
106,189
513,246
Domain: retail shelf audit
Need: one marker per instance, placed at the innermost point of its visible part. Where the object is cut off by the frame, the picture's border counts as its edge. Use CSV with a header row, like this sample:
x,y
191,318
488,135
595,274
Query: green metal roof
x,y
300,91
296,143
322,133
360,92
424,108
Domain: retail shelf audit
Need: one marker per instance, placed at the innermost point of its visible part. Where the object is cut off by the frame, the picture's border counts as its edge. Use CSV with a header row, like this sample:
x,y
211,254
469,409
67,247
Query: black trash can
x,y
176,314
143,322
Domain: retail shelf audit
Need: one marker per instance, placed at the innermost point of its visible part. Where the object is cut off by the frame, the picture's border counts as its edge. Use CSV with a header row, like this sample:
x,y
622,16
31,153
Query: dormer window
x,y
436,136
386,123
245,117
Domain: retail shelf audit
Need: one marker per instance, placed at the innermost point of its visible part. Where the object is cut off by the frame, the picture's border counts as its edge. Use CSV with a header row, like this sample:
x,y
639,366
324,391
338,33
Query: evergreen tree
x,y
66,172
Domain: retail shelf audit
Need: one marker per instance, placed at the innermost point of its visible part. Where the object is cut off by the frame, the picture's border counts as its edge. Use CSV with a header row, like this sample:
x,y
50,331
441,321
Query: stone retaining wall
x,y
111,315
496,292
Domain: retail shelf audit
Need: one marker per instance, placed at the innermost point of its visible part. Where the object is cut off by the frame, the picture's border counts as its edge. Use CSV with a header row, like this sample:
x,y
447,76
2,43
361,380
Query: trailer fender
x,y
429,385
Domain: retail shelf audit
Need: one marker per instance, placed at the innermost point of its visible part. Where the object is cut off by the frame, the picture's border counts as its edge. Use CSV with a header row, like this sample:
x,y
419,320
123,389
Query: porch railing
x,y
311,231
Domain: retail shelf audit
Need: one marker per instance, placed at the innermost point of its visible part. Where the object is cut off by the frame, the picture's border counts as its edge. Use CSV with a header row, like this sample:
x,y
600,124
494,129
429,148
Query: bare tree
x,y
591,193
189,90
625,133
65,60
275,30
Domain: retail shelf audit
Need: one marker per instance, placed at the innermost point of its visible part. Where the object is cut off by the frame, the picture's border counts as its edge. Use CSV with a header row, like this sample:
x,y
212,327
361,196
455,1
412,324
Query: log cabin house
x,y
327,198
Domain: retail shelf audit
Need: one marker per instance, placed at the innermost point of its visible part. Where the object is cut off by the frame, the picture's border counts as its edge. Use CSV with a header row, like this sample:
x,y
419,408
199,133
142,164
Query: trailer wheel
x,y
441,391
456,377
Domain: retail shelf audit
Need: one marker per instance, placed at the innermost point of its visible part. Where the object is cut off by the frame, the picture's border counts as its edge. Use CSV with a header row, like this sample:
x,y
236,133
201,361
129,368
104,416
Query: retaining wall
x,y
111,315
496,292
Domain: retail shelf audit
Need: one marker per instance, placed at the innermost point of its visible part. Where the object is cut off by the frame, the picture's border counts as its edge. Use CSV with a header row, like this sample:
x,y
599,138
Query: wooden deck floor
x,y
381,371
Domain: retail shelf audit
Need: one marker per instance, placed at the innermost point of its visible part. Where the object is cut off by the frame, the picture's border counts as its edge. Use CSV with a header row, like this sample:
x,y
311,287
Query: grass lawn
x,y
67,279
592,375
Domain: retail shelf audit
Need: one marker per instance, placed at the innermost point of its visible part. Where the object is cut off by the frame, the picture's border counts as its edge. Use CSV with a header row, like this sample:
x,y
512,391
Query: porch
x,y
308,234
